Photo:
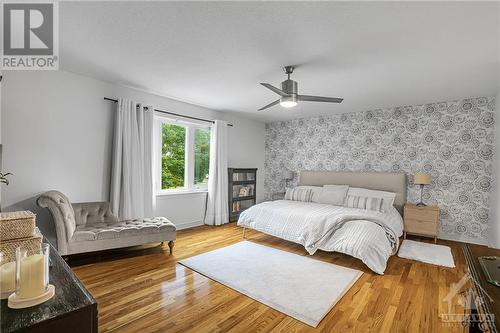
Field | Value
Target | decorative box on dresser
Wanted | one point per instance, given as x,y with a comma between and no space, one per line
241,192
421,220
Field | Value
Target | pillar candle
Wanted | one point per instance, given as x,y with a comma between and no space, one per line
32,276
8,277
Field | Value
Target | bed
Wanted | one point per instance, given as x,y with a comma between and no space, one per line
370,236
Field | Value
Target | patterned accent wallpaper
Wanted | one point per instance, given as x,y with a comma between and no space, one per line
453,141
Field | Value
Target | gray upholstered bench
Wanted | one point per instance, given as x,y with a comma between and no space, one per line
91,226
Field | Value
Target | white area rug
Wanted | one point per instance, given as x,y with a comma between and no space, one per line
428,253
301,287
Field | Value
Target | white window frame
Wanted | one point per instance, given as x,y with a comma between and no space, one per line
189,160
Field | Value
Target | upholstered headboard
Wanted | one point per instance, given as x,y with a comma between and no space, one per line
383,181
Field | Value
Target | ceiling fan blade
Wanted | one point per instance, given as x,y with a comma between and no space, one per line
274,89
307,98
269,105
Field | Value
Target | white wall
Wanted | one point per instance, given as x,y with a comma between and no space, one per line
1,169
245,144
57,134
494,232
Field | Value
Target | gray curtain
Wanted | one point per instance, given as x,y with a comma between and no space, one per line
217,202
132,161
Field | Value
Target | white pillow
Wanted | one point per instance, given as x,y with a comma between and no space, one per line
298,194
316,191
368,203
363,192
333,194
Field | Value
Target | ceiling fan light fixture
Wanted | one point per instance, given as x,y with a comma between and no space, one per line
288,101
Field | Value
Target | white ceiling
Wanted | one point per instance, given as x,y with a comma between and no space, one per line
214,54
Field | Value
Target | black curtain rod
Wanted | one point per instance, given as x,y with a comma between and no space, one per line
171,113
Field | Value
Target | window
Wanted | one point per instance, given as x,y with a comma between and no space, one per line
184,156
173,156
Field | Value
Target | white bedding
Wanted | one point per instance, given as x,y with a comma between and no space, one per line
367,235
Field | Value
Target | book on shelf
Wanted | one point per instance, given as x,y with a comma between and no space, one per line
236,206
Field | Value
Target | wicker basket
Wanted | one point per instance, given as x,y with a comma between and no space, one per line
14,225
31,244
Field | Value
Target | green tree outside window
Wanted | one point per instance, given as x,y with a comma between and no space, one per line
173,154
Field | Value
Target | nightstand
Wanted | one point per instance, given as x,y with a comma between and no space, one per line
421,220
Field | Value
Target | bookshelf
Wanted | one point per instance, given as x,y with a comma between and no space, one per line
241,193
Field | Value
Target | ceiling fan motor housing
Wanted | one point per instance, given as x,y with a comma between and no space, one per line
289,87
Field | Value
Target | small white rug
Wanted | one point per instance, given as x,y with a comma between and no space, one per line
301,287
428,253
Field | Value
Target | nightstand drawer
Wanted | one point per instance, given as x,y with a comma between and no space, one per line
418,226
428,215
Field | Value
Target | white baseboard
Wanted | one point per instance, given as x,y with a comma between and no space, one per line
493,246
464,239
188,224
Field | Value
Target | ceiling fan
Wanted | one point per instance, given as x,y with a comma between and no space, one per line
289,93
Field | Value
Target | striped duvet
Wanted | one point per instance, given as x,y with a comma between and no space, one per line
371,236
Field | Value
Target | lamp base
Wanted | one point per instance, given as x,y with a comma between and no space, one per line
421,204
21,303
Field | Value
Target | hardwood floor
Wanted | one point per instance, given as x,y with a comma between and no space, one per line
149,292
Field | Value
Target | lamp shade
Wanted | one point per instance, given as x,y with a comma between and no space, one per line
288,174
422,178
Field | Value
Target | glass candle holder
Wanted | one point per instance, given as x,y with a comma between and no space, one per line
32,272
7,276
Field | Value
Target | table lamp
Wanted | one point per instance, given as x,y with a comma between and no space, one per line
421,179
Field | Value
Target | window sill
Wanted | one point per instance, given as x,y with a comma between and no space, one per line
180,192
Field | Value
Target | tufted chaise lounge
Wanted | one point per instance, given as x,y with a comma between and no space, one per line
91,226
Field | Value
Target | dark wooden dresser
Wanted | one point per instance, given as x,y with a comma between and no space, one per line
72,309
485,313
